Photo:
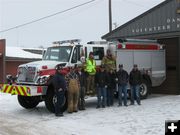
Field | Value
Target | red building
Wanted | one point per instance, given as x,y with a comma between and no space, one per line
12,57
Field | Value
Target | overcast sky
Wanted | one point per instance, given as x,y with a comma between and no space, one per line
89,22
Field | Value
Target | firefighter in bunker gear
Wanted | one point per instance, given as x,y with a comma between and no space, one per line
109,61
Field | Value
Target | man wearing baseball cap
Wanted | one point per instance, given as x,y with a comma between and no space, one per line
59,88
135,80
122,84
91,71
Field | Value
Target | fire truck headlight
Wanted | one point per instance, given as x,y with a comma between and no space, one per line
43,79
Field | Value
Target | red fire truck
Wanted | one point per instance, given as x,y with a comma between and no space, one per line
33,79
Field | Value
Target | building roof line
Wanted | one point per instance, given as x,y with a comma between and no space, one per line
136,18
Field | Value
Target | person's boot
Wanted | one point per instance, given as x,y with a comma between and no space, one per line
97,107
120,104
59,114
80,108
83,108
75,109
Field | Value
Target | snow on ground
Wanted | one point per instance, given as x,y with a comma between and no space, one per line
147,119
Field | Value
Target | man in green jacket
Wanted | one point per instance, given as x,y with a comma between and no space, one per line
91,71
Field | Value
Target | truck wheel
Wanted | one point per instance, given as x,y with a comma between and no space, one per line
65,103
50,101
144,89
28,102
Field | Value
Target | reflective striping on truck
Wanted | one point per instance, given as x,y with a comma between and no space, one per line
15,89
23,90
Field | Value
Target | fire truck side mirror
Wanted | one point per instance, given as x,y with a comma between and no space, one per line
43,53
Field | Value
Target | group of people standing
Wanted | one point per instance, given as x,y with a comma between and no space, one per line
134,79
108,79
72,83
86,78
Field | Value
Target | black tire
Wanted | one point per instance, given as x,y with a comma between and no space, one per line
28,102
65,104
144,89
49,101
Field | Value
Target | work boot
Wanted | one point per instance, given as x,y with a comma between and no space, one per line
59,115
83,108
75,111
80,108
97,107
119,105
103,106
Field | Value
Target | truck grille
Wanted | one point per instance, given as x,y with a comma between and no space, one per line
26,74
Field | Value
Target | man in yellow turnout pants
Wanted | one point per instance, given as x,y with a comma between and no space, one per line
73,87
91,71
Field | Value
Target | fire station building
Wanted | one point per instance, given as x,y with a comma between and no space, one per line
162,23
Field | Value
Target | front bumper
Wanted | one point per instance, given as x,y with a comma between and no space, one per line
23,90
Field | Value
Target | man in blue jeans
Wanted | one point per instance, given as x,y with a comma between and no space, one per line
101,81
135,80
122,84
60,88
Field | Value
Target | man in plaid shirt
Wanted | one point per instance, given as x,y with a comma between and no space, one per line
73,87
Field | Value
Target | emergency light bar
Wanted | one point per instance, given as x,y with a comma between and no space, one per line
137,40
72,41
97,42
134,46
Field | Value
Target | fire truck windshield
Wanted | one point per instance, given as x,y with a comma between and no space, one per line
60,53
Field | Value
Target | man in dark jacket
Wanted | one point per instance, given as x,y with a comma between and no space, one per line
59,87
111,87
101,80
82,80
135,80
122,84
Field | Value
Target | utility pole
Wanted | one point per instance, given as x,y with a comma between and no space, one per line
110,17
115,25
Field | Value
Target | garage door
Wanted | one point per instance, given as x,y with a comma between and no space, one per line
170,86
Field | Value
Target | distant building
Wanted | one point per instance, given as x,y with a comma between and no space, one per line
162,23
12,57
